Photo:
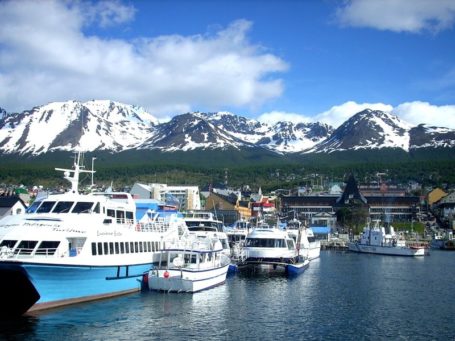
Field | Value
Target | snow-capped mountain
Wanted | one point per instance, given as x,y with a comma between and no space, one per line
93,125
424,136
368,129
191,131
112,126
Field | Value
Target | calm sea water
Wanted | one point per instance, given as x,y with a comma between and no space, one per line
342,296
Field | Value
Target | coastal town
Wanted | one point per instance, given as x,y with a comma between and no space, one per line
328,211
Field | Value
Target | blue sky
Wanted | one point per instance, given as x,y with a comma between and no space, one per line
302,61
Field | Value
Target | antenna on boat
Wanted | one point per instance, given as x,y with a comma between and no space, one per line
72,175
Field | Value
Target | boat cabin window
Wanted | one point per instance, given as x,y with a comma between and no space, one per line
82,207
47,247
63,207
120,215
202,228
33,207
291,245
192,259
265,242
45,207
129,217
8,243
97,208
110,213
224,243
26,247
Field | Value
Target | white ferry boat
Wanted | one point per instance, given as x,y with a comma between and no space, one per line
375,240
73,247
272,249
190,264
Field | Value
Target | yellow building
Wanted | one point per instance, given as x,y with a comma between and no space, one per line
435,195
230,207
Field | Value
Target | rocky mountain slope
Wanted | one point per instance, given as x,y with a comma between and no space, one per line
102,125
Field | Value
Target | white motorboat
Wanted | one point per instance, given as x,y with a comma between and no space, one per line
272,249
238,231
74,247
204,224
305,240
375,240
189,264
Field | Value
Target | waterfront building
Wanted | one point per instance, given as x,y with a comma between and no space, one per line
385,206
445,210
188,197
229,207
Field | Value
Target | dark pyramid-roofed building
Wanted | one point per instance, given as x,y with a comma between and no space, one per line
351,194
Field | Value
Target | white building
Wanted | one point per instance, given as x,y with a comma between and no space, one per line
11,205
187,196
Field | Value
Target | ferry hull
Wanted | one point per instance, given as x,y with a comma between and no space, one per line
186,280
386,250
49,286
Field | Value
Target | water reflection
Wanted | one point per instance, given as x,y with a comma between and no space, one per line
340,296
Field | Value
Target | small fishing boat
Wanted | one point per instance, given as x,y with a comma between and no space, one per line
189,264
375,240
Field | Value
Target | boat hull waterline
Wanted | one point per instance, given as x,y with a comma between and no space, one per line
36,287
386,250
186,280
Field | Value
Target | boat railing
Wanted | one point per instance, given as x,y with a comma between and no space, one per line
23,251
155,226
28,253
46,252
125,221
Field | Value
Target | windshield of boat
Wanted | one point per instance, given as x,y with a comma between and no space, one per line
63,207
82,207
45,207
33,207
204,226
265,242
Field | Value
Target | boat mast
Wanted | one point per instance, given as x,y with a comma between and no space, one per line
74,177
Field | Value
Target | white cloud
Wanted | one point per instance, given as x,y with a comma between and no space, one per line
273,117
423,112
338,114
413,113
398,15
45,56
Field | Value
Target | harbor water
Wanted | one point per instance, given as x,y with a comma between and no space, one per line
342,296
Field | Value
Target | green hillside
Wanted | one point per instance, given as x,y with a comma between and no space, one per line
254,167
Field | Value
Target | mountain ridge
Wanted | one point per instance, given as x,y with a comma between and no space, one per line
104,125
